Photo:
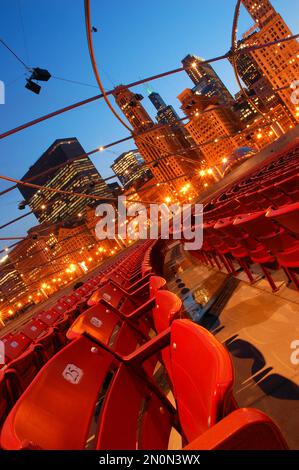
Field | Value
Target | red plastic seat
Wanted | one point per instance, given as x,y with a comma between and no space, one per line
49,317
49,344
33,329
290,186
15,345
287,216
56,410
23,370
6,399
243,429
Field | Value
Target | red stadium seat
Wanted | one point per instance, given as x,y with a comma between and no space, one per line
24,369
6,399
56,410
243,429
15,345
287,216
33,329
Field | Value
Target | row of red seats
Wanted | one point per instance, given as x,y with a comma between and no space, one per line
257,226
43,335
100,391
274,183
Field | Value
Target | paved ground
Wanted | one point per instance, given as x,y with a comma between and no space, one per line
256,326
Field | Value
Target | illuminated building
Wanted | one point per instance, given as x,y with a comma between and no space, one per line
166,113
12,286
79,176
280,62
39,255
129,167
258,86
212,127
155,141
131,107
206,80
245,111
76,240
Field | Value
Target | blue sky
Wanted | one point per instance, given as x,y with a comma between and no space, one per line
134,39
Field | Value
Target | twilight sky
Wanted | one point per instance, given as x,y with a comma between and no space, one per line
135,39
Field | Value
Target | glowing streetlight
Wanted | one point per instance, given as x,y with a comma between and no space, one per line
210,171
224,160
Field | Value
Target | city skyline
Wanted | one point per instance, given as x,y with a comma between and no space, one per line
33,137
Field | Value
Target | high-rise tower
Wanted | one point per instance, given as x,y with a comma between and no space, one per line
163,146
280,62
78,175
130,105
206,80
166,113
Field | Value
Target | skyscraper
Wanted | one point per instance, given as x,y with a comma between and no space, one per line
251,74
206,80
280,62
130,105
79,176
166,113
214,127
129,167
155,141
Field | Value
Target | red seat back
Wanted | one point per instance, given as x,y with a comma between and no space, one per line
15,345
26,367
33,329
132,418
202,376
243,429
56,410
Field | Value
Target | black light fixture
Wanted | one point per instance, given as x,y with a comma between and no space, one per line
22,205
32,86
38,74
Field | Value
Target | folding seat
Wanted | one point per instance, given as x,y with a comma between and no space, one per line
49,317
33,329
274,196
6,399
274,237
255,200
243,429
23,369
280,242
290,186
48,344
123,408
287,216
47,419
15,345
236,239
56,410
107,324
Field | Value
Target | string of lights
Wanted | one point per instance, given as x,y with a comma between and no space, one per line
59,271
28,255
